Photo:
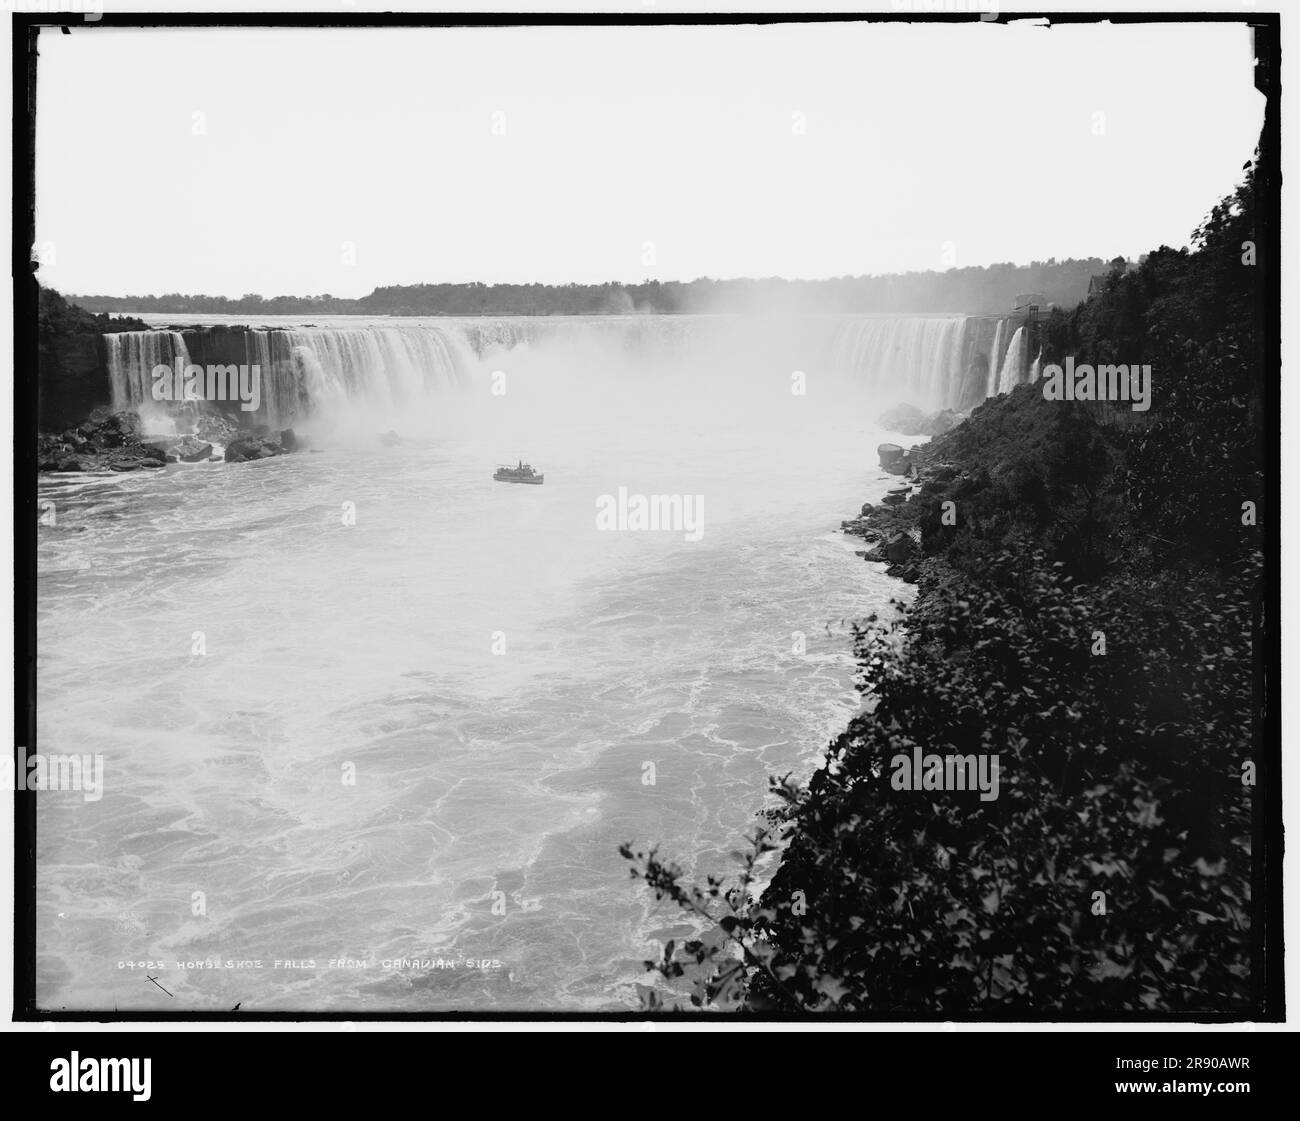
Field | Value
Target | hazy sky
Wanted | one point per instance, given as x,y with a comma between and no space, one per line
307,161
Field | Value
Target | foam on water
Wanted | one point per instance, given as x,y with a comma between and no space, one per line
370,647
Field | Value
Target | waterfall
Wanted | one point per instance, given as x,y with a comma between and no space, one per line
913,358
956,367
991,387
1009,378
383,366
278,399
302,370
932,361
1033,370
500,334
132,356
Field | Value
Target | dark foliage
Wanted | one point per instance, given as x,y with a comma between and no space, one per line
57,318
987,290
1092,619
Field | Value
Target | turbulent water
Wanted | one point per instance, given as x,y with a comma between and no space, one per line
368,705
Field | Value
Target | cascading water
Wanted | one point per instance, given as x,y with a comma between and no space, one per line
956,355
928,360
481,774
383,366
302,370
1009,377
501,334
992,387
1034,369
916,358
279,400
132,357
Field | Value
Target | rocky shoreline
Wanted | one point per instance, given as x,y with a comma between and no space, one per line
108,441
900,527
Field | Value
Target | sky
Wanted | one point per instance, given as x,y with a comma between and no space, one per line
304,161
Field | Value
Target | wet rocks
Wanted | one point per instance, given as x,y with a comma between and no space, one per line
263,444
106,442
901,527
113,430
893,528
896,496
188,449
248,448
900,547
216,428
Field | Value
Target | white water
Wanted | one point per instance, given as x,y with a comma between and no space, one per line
916,359
370,647
304,370
1009,378
314,373
993,362
132,357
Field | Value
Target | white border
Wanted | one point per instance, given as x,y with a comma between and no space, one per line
1290,618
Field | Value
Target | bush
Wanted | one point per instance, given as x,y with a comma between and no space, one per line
1094,620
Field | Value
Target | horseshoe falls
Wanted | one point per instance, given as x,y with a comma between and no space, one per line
403,784
348,370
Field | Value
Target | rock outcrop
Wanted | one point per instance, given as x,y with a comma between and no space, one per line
901,528
190,449
72,370
261,445
105,442
216,428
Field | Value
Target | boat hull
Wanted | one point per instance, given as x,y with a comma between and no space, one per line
535,481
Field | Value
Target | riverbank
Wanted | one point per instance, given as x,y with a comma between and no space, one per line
1048,806
1042,807
1041,643
109,441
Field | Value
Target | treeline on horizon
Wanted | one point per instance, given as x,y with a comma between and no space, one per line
985,290
1094,616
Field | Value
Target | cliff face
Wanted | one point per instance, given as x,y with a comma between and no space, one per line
73,380
72,371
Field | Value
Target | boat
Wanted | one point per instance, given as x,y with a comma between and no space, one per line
523,473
